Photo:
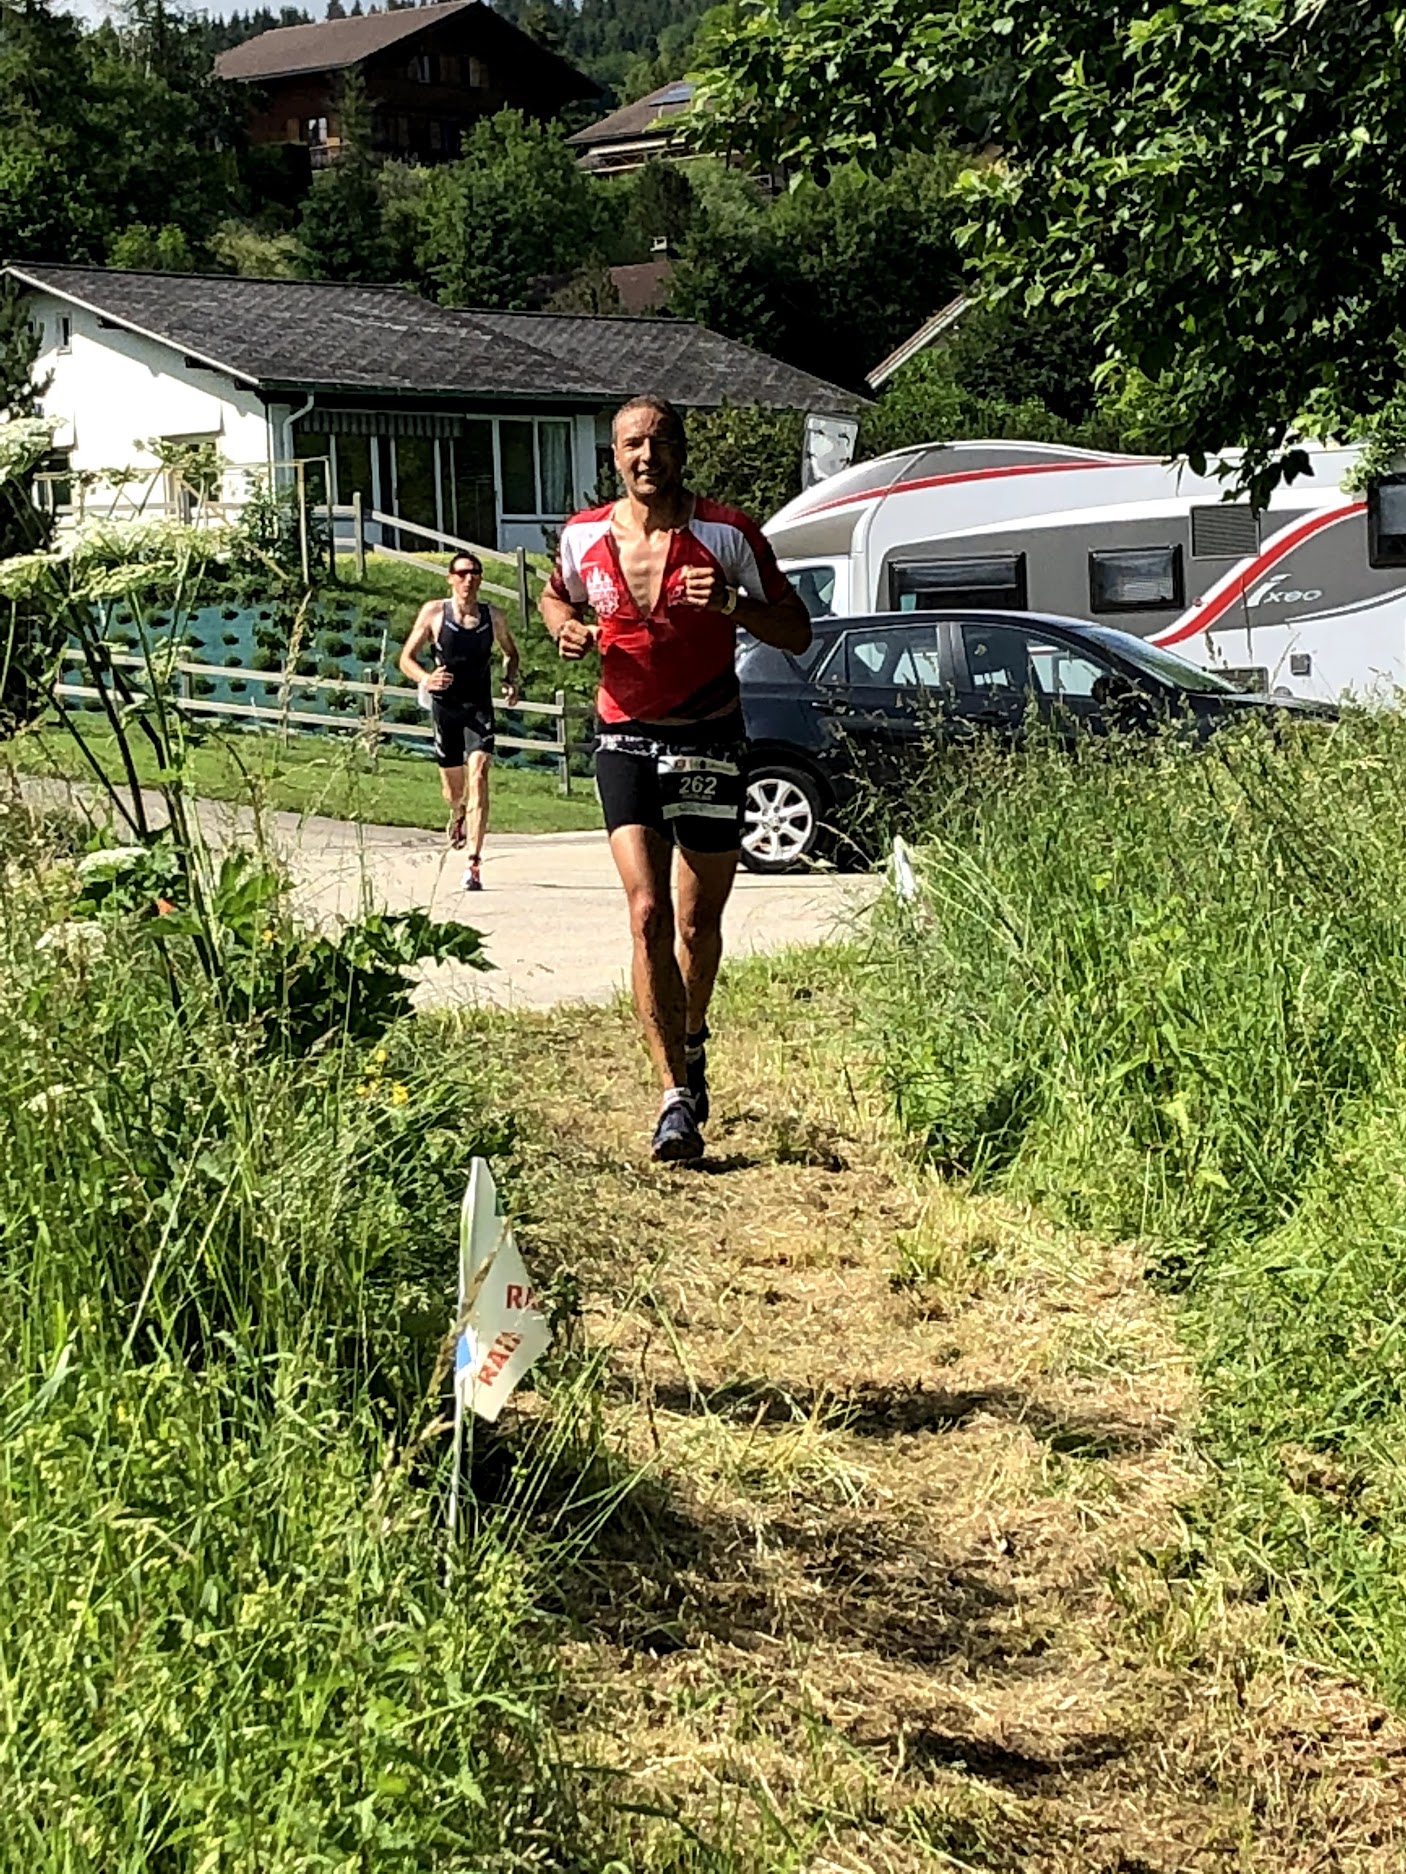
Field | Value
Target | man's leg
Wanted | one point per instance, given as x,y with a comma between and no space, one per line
642,858
452,781
704,887
479,762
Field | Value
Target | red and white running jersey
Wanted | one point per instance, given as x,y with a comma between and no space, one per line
678,660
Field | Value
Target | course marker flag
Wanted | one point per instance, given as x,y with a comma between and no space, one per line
905,883
504,1331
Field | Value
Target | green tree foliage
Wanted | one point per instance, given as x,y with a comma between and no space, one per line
832,278
94,136
1009,374
661,205
620,43
31,631
341,232
746,457
166,249
515,207
19,347
1218,190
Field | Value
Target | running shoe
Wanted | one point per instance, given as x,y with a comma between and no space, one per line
677,1139
458,829
696,1063
473,878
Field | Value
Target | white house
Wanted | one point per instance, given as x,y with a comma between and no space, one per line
487,425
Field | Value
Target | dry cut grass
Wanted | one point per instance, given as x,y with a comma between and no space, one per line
905,1582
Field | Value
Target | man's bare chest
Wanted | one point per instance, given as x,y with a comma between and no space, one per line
644,560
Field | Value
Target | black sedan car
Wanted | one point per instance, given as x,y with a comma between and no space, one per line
840,716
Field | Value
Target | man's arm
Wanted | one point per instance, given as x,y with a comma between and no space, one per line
784,623
503,638
566,627
408,663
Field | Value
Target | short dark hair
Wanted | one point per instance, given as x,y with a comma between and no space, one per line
474,561
661,407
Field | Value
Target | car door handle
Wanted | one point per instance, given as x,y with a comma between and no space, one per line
832,706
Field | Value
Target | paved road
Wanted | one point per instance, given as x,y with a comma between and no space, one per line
552,912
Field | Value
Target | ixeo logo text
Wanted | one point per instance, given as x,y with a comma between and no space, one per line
1274,592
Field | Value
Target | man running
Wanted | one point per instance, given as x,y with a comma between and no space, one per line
461,632
670,576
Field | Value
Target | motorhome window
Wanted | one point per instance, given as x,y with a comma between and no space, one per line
903,659
1386,522
816,585
1135,579
995,583
1226,530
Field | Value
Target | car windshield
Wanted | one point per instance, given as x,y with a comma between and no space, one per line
1167,668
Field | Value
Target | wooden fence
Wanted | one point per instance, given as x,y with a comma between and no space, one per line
372,724
356,515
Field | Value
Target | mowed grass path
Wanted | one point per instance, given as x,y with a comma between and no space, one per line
904,1583
316,774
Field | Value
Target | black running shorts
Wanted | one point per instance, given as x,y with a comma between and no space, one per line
459,733
685,783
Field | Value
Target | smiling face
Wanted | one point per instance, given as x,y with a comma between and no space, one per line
649,452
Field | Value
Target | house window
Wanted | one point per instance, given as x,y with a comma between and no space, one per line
535,455
65,332
421,68
995,582
315,130
436,134
53,490
478,75
1135,579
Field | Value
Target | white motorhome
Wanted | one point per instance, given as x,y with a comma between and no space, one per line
1307,595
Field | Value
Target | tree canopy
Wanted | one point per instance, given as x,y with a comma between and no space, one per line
1216,190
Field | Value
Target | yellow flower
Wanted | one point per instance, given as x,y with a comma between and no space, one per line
268,934
381,1056
400,1093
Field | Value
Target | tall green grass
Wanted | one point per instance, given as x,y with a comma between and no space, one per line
1161,991
233,1637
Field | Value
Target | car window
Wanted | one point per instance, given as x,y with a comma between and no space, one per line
891,658
999,661
1061,671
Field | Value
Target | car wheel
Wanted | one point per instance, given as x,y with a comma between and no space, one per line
780,819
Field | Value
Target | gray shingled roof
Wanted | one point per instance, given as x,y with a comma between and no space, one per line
312,335
632,120
673,357
309,334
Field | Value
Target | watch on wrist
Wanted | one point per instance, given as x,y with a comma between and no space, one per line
729,604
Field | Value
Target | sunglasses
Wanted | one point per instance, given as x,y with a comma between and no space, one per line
466,572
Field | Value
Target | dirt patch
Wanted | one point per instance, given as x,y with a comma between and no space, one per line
903,1582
